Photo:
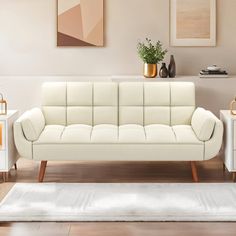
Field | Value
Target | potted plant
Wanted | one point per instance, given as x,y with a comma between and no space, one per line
151,54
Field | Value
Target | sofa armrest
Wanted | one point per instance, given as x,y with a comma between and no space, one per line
33,123
27,129
209,129
213,146
203,124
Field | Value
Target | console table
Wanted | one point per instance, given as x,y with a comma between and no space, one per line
8,154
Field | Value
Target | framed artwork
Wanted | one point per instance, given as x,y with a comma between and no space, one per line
80,23
193,22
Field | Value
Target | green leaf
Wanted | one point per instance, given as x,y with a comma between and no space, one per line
151,53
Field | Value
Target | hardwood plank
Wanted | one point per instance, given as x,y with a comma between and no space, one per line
152,229
35,229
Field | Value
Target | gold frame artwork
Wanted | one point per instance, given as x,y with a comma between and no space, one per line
193,23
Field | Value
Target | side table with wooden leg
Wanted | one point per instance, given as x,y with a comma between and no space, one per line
8,154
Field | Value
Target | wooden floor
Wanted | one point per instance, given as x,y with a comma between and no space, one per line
116,172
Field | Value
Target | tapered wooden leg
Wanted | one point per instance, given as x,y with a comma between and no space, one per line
15,165
234,176
43,166
5,176
194,171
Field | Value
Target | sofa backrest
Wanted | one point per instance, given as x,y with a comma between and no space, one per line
169,103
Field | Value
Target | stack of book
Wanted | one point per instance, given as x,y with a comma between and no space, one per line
216,73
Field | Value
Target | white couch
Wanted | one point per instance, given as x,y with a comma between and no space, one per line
130,121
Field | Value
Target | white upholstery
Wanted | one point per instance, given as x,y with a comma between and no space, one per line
182,103
118,152
126,121
160,134
54,98
185,134
104,139
24,146
76,134
213,145
51,134
157,102
104,134
203,124
131,103
33,123
124,134
79,103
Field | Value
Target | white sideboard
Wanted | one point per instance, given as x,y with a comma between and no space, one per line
8,154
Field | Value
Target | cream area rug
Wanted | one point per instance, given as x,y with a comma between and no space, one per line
119,202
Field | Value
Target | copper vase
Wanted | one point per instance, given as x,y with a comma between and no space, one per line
149,70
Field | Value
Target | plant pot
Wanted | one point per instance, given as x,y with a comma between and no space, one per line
149,70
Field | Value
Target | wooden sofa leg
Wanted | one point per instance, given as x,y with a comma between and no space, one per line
194,171
43,166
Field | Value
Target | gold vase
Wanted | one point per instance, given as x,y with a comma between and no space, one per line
149,70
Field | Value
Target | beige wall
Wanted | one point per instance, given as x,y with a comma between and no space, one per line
28,39
28,47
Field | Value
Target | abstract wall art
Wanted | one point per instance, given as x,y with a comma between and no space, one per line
80,23
193,22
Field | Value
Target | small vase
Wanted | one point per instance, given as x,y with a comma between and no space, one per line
150,70
163,71
172,67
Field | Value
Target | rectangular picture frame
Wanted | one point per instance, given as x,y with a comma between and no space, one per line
189,30
80,23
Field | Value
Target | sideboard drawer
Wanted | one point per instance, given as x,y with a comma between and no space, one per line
2,160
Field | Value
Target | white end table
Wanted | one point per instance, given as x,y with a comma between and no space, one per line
229,143
8,153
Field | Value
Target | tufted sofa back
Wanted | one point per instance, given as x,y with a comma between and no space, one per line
169,103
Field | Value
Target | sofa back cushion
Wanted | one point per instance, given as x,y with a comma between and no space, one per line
156,103
169,103
80,103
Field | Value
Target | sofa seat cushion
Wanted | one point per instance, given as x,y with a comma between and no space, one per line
111,142
51,134
126,134
185,134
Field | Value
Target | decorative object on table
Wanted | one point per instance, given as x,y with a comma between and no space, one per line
193,23
163,73
213,72
3,105
232,110
79,23
151,54
213,68
172,67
